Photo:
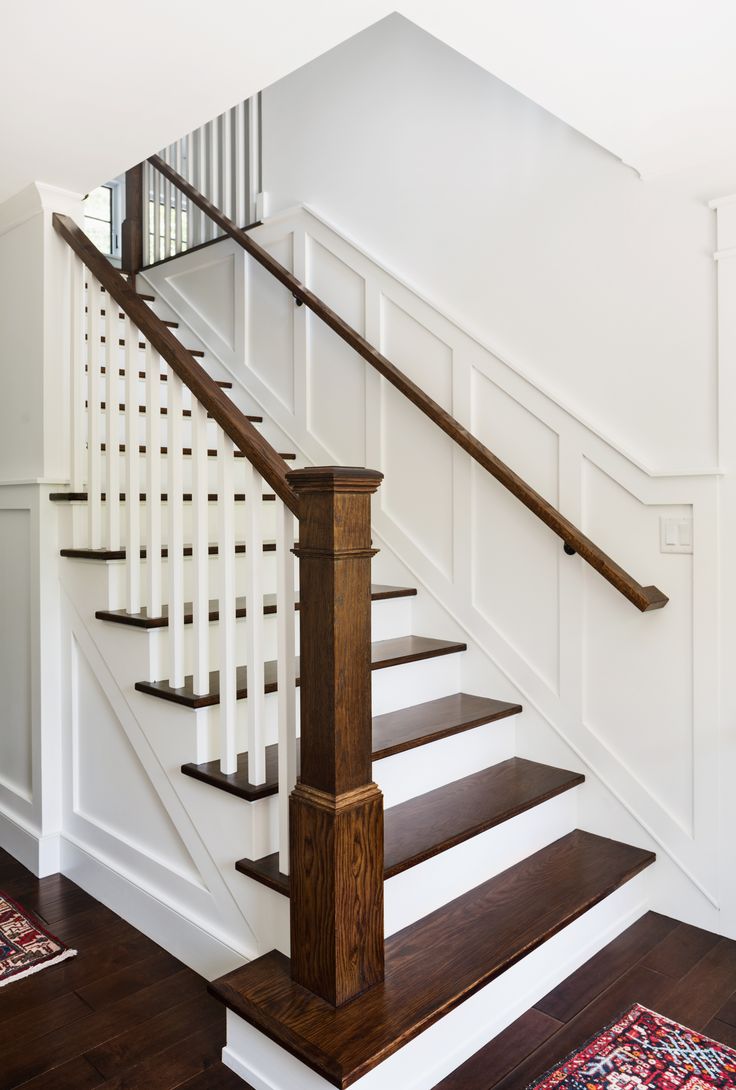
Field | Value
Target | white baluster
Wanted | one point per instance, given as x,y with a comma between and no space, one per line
200,181
190,178
214,172
167,207
177,199
132,463
254,633
254,155
157,255
78,356
241,182
175,505
227,164
112,423
200,549
153,481
147,254
286,656
227,623
94,474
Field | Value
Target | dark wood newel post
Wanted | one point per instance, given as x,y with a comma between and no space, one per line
336,814
132,232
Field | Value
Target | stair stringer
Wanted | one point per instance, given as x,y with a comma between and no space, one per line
590,474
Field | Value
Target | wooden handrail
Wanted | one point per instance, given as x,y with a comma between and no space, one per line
644,598
233,422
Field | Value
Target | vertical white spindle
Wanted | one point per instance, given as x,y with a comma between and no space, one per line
286,658
254,156
157,255
94,474
147,256
190,178
241,181
132,463
167,206
227,164
77,358
177,198
201,180
112,423
175,506
214,172
254,628
153,481
227,623
200,549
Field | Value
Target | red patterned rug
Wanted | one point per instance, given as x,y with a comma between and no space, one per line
25,945
645,1050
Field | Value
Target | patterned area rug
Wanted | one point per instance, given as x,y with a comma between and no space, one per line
645,1050
25,945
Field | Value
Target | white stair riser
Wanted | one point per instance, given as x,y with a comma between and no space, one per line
414,772
434,883
427,1059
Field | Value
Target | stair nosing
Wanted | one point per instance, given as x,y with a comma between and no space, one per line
158,688
250,867
379,592
207,773
302,1023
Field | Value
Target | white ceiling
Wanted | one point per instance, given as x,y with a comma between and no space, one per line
87,89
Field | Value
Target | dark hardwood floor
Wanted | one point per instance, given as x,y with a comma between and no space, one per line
123,1014
126,1015
680,971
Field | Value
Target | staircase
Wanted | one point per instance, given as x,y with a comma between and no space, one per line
475,872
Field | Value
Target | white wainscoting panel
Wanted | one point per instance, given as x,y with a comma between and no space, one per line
633,697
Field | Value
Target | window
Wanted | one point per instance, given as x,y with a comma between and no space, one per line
102,217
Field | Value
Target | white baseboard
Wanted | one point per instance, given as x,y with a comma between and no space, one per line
209,954
40,854
431,1056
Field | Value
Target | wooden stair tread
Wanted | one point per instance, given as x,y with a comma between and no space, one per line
432,823
164,377
435,964
119,554
384,653
393,733
379,592
165,321
81,497
289,456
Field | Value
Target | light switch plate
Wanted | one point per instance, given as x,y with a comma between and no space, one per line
675,535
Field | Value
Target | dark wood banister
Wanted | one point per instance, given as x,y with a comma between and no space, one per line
246,438
644,598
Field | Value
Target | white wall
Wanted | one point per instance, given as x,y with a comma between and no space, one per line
597,286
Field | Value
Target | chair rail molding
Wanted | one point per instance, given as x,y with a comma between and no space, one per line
614,688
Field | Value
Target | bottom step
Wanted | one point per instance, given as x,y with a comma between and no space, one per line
435,964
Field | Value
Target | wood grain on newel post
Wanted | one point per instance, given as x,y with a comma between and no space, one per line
336,815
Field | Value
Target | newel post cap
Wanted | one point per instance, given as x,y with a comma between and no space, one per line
334,479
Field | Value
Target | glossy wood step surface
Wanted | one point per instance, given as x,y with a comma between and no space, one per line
435,964
120,554
438,820
186,452
196,352
384,653
401,730
81,497
380,592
